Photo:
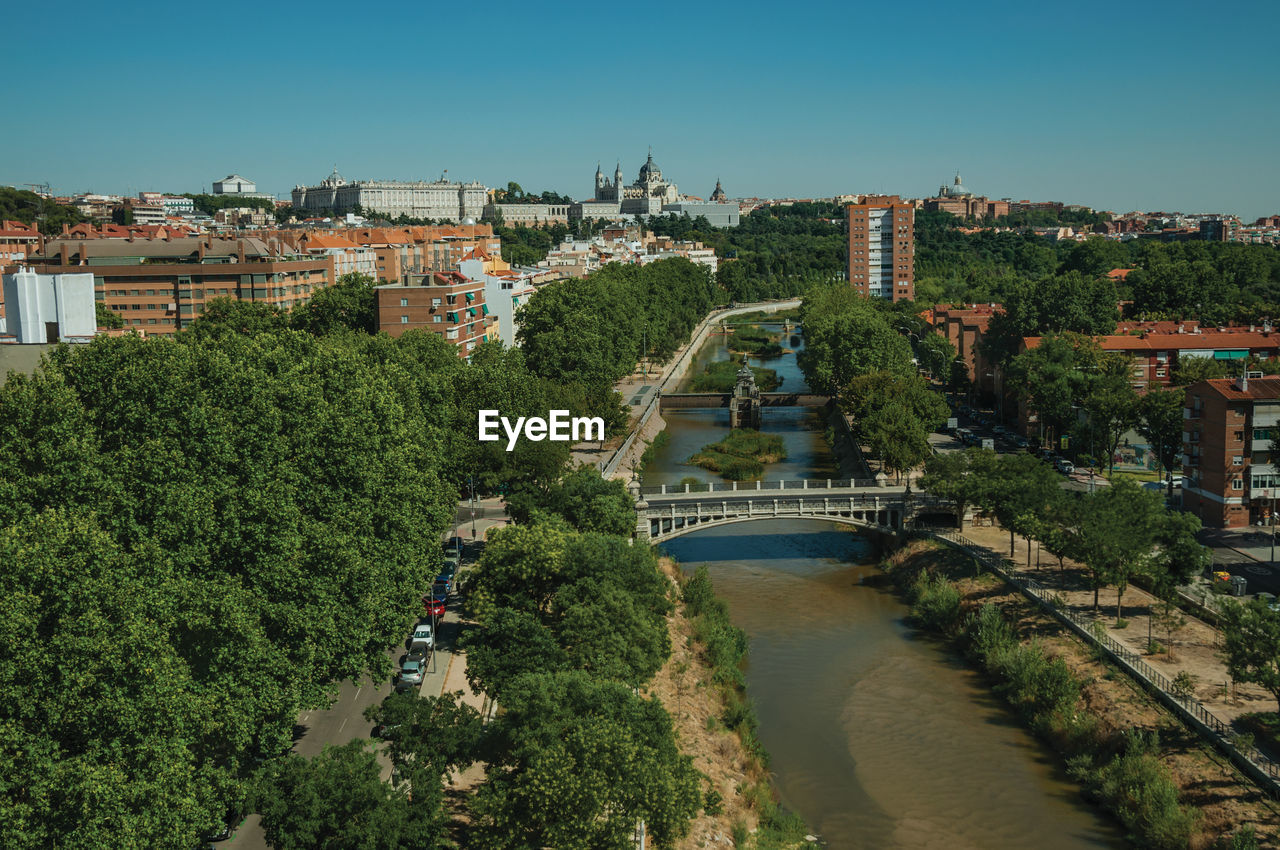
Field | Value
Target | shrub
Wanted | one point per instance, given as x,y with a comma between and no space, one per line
988,632
1035,684
698,594
935,603
713,802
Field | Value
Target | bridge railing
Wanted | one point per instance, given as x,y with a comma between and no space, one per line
759,486
1258,765
823,506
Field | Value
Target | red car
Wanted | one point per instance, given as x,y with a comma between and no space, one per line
434,606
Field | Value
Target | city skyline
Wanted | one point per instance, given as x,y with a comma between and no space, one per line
1162,113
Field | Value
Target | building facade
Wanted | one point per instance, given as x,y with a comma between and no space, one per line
1229,477
528,214
961,201
162,285
444,303
882,247
440,200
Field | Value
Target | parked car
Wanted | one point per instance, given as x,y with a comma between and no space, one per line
1022,442
423,635
453,545
434,606
443,585
411,673
1064,466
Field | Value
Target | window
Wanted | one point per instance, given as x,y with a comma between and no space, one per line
151,321
435,302
1262,433
404,302
1237,483
1237,436
437,318
151,306
1237,460
151,292
1160,373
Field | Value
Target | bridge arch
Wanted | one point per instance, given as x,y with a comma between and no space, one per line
662,529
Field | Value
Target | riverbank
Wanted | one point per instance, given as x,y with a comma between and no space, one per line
1094,733
738,793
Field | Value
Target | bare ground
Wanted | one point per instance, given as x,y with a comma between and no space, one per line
685,687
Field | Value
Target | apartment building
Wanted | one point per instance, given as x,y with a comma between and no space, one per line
882,247
1155,354
444,303
162,285
1229,475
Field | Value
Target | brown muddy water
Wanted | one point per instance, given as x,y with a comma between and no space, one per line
879,737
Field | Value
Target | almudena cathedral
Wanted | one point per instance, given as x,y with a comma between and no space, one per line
439,199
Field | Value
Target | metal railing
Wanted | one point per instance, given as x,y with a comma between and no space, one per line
1259,766
760,486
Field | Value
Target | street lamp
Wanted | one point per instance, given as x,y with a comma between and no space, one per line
471,483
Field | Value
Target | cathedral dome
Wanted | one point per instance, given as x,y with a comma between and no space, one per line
650,167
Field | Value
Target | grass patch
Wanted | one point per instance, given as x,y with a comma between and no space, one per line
755,341
741,455
722,375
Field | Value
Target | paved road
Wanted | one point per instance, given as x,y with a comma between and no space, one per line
344,720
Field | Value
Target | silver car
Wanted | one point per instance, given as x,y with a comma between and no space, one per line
411,673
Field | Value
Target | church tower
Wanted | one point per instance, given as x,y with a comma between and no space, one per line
718,195
599,181
617,182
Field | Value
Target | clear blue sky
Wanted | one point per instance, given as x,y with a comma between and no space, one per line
1160,106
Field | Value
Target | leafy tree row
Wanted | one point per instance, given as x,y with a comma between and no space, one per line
592,331
201,537
1116,533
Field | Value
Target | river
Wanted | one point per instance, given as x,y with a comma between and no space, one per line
879,737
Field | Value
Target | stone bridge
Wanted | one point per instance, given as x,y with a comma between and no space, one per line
667,512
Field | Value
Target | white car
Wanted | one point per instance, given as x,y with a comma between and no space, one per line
422,637
1066,467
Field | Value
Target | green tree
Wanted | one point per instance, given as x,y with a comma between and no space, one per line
846,336
337,800
1160,421
347,305
1251,636
1111,404
963,477
510,644
580,761
1066,303
106,317
1022,493
231,315
429,736
585,500
1054,378
896,436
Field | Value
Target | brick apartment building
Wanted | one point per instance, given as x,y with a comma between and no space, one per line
964,328
1227,468
445,303
882,247
162,285
410,249
1155,354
